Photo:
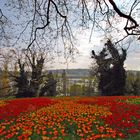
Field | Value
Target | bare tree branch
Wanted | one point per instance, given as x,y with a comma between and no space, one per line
128,17
49,20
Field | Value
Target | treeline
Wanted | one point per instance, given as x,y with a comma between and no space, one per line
22,75
132,83
19,84
57,84
26,79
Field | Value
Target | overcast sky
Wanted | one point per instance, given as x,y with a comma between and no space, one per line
97,42
83,60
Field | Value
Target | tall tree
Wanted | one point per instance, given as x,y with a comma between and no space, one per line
64,81
36,63
5,59
4,80
50,86
30,77
22,82
110,69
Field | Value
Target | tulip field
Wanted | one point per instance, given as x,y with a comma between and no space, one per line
70,118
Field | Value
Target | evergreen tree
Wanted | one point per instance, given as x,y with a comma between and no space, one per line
111,72
22,82
49,87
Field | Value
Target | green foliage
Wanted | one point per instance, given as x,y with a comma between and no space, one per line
49,87
7,98
110,70
133,101
22,83
134,138
4,80
133,83
89,85
75,90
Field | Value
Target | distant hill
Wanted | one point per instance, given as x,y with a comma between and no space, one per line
79,73
133,71
73,73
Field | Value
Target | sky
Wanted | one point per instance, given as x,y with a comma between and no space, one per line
97,42
84,46
84,61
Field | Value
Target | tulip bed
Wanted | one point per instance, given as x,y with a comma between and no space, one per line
70,118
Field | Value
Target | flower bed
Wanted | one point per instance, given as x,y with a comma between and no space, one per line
73,118
13,108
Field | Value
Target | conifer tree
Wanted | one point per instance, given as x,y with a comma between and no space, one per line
110,71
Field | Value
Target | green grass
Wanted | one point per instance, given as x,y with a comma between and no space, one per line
8,98
134,138
133,101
